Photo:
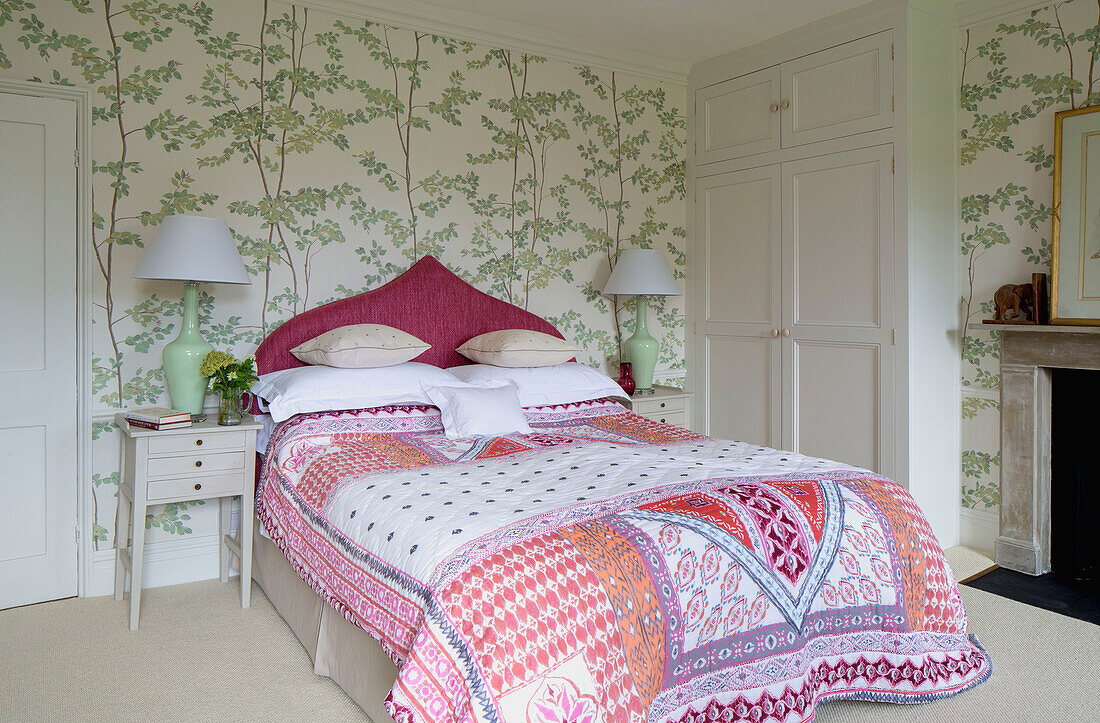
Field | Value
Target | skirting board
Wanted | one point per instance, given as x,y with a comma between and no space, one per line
978,529
170,562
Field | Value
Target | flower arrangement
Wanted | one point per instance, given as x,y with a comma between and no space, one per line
226,374
231,379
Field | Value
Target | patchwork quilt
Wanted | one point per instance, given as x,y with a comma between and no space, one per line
610,568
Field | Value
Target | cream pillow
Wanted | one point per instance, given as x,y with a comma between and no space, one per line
361,346
518,348
476,411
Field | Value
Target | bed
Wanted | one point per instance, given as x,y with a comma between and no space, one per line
604,567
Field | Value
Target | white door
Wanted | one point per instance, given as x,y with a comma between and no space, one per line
738,117
737,276
837,333
38,358
839,92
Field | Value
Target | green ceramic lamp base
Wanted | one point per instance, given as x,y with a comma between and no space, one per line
186,387
641,351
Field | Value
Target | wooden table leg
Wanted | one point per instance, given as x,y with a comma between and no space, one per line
245,537
224,555
122,540
137,553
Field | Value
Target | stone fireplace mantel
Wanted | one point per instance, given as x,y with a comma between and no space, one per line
1028,354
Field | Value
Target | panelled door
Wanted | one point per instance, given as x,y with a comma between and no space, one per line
38,357
839,92
737,272
738,117
837,330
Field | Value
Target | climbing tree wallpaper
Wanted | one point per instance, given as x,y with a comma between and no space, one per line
1016,72
340,151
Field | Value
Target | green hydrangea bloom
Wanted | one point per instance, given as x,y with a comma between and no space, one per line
214,361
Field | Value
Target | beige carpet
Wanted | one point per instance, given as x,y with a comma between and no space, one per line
198,656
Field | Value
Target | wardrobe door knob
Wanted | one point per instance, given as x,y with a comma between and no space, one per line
775,107
775,332
786,332
785,104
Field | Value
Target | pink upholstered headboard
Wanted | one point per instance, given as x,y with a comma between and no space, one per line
428,301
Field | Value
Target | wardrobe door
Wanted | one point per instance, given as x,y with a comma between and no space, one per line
738,117
737,290
839,92
837,330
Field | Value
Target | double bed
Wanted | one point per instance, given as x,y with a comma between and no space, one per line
604,567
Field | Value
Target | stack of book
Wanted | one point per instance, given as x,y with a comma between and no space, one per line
158,418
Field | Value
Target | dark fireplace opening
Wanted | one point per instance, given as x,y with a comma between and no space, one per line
1075,476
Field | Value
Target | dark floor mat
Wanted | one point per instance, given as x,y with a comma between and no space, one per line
1045,591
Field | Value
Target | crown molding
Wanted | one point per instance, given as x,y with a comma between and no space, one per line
974,12
497,33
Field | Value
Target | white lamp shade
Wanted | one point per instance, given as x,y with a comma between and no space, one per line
192,248
642,272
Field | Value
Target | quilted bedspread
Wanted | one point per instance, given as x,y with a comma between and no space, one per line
610,568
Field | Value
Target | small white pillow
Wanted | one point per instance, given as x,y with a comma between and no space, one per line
478,411
361,346
518,348
320,388
561,384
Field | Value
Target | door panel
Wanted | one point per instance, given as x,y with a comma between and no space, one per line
837,412
735,118
38,367
839,92
838,230
740,230
742,399
737,272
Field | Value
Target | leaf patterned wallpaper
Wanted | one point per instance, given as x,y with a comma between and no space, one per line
339,151
1016,72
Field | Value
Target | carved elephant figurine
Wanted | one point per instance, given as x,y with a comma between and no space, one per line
1017,299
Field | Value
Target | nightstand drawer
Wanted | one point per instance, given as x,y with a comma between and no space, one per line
176,443
649,407
209,486
189,463
677,418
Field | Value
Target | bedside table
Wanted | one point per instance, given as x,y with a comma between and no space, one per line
667,404
204,461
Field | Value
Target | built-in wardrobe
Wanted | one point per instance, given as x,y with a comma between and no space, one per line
823,312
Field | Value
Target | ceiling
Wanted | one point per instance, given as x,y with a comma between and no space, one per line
656,37
682,31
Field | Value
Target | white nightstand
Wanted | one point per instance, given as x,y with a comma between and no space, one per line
667,404
202,462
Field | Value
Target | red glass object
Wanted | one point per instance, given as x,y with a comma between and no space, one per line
626,377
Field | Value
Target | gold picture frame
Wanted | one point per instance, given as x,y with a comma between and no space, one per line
1076,163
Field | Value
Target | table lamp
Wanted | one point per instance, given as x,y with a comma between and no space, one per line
642,272
195,250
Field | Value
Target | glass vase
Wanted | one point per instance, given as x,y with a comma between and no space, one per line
229,407
626,378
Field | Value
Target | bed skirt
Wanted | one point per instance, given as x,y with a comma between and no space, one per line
339,650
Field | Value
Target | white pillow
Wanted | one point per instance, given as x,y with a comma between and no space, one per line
361,346
518,348
320,388
478,411
560,384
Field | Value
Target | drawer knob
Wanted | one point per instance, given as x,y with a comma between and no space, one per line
662,405
662,420
198,442
198,486
198,463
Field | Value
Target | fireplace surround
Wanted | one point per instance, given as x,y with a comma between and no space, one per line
1028,354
